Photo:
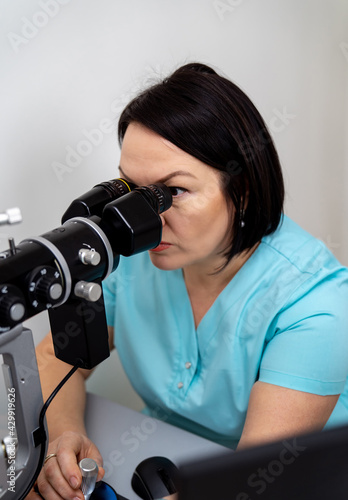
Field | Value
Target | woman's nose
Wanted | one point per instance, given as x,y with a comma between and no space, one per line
163,220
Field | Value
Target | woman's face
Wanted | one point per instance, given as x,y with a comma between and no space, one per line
197,227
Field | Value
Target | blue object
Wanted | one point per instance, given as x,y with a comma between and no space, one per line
104,491
283,319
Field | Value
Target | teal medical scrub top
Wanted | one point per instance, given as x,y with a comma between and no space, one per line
283,319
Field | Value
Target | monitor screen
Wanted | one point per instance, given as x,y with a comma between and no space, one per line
308,467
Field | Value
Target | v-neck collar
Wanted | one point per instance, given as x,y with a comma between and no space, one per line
209,324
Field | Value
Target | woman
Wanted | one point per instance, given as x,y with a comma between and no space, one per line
235,326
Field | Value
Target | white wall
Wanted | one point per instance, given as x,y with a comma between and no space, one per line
66,65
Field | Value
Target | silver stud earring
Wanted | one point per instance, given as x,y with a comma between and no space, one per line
241,218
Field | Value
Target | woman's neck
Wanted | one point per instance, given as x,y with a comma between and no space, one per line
206,276
204,285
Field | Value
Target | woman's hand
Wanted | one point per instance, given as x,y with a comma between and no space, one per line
60,477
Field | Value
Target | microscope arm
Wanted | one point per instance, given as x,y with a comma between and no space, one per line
24,444
61,271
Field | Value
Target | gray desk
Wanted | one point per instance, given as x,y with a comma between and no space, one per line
126,437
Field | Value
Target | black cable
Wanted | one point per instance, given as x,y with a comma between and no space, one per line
54,393
41,431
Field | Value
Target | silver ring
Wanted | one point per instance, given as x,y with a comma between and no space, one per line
51,455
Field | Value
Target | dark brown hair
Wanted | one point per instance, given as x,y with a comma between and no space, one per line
212,119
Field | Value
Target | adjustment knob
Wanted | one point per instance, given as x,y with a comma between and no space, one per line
89,257
45,287
12,306
88,291
89,472
48,290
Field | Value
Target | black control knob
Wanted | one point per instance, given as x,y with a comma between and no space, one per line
45,287
12,306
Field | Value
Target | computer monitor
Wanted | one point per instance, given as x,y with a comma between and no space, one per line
309,467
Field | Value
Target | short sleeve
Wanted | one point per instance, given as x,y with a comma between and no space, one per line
309,351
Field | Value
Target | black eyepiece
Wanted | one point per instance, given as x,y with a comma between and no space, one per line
158,196
116,187
94,201
132,223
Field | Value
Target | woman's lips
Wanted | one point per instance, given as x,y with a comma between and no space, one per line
162,246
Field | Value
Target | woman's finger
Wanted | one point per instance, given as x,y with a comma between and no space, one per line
61,476
70,450
53,485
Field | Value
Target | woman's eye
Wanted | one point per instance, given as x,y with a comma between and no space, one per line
176,191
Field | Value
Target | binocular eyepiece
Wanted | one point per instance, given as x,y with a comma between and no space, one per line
112,219
94,201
